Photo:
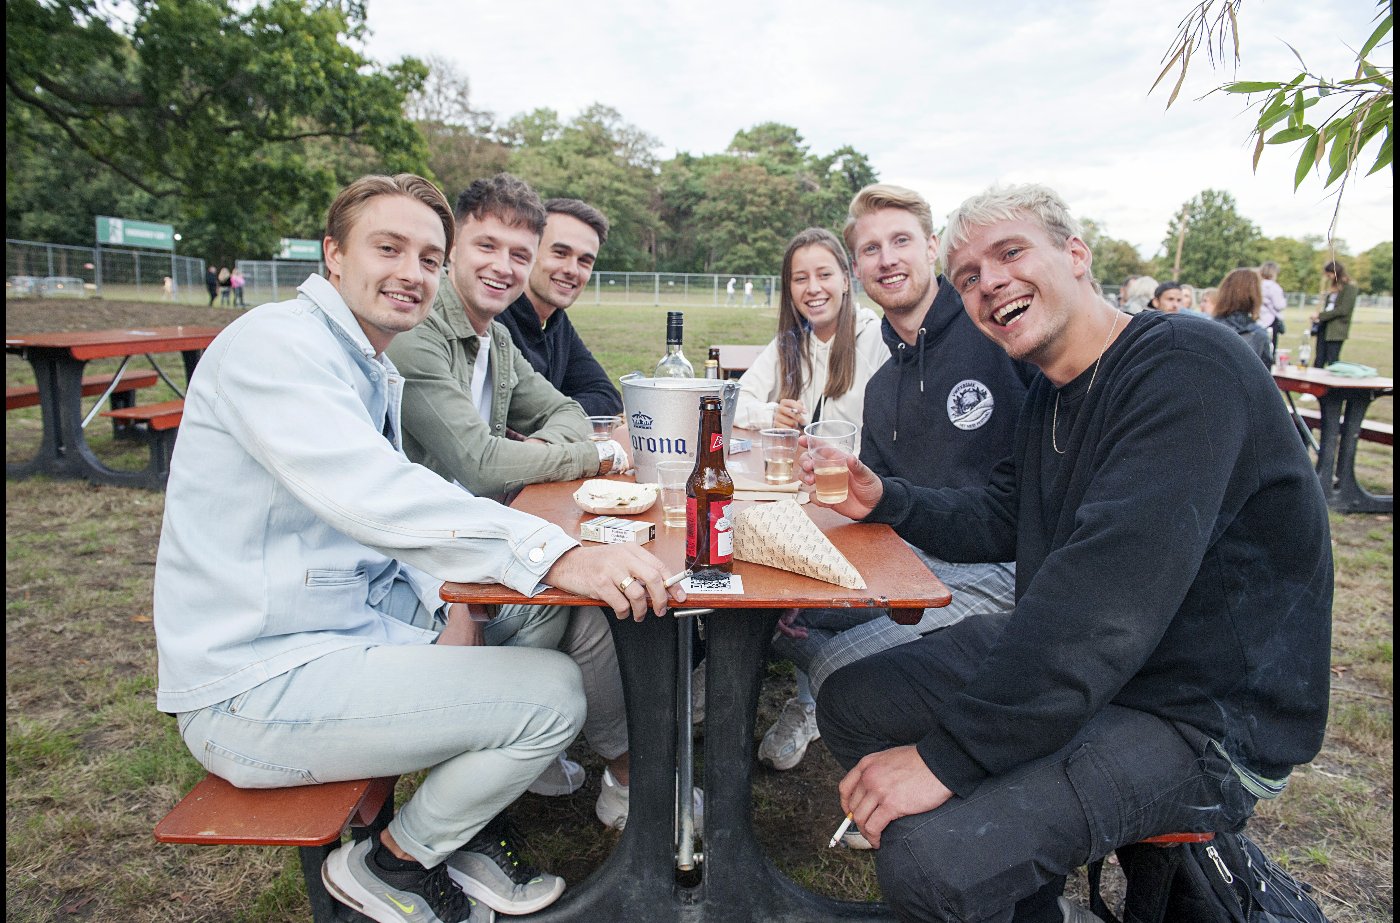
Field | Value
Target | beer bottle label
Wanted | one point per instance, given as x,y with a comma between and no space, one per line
721,532
716,441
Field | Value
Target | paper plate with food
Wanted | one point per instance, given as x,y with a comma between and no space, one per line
617,498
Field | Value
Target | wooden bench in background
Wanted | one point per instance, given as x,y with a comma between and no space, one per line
93,385
1371,430
162,422
312,818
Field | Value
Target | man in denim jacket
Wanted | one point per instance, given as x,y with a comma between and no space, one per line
297,616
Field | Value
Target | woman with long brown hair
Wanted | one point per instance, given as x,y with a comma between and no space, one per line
826,349
1333,323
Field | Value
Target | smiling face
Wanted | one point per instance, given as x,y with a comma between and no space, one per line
388,266
894,260
490,263
568,251
817,285
1027,294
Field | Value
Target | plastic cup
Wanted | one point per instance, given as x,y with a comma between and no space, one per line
672,475
829,444
603,427
779,455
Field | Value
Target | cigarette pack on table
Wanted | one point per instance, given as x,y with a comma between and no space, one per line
737,445
613,529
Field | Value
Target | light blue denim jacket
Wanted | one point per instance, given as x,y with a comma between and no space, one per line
293,520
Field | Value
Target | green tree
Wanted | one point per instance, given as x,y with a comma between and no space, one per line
460,139
600,158
1348,116
1381,277
1218,238
745,218
1298,261
239,123
1114,260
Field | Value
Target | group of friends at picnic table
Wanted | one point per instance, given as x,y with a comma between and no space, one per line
1135,540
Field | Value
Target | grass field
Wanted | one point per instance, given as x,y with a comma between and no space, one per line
91,766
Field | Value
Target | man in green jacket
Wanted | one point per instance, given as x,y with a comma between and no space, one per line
476,412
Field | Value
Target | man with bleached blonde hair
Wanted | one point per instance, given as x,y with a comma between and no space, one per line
1156,674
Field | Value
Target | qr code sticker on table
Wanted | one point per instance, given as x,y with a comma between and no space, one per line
714,582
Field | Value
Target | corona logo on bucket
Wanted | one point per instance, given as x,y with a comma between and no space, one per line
663,415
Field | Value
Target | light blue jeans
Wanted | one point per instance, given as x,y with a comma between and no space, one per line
484,722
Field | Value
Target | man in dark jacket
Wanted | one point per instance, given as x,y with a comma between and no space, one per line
940,413
538,323
1167,660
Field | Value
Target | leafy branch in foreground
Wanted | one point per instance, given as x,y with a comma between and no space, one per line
1336,120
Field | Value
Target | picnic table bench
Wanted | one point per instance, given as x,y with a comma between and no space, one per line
1371,430
123,395
312,818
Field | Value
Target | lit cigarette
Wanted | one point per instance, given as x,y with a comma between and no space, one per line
840,831
672,581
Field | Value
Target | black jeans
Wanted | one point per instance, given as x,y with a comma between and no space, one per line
1002,852
1328,352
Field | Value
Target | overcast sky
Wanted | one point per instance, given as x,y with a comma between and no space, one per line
945,98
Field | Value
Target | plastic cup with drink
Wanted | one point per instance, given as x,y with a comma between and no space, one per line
603,426
1282,357
829,444
672,475
779,455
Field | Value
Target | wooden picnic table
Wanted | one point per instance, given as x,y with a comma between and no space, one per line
638,881
1342,402
58,360
735,359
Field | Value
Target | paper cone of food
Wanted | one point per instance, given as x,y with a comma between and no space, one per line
781,535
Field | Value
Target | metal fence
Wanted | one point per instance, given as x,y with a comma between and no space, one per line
49,270
682,289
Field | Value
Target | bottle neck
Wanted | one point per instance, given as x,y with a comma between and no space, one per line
710,452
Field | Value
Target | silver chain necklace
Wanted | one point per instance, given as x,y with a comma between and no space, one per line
1055,420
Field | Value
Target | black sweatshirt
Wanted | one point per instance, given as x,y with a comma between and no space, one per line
1176,559
942,412
557,352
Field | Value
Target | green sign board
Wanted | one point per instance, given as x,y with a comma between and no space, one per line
295,249
123,232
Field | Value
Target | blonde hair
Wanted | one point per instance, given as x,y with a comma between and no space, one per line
346,208
884,195
1039,203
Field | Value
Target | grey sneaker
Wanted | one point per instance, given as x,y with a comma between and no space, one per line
491,869
1076,914
416,895
786,741
614,803
561,777
854,839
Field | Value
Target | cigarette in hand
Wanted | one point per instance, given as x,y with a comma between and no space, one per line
672,581
840,831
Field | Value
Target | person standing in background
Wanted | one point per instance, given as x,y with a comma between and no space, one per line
1236,305
1332,325
225,286
1271,311
236,283
211,282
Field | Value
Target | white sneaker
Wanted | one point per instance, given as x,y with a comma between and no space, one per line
1073,913
786,741
561,777
854,839
614,803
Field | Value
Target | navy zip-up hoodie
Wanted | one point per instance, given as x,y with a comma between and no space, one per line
942,412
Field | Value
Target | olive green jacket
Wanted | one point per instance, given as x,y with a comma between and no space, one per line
1334,322
442,428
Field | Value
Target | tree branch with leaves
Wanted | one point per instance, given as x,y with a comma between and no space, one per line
1336,121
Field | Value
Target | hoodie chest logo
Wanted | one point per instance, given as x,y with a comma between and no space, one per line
969,404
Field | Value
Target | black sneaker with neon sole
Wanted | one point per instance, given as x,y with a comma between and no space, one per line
490,868
417,895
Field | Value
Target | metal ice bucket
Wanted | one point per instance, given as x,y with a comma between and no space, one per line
663,417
